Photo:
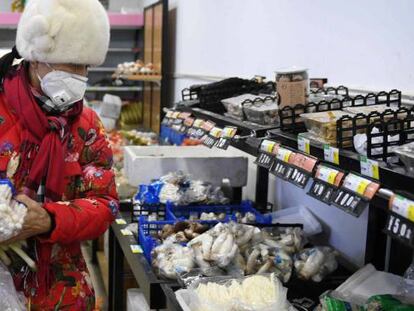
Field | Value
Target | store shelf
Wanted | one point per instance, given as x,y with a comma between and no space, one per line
114,89
124,50
102,69
117,20
245,127
142,271
144,78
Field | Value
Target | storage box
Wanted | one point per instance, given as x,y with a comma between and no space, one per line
145,163
323,124
264,113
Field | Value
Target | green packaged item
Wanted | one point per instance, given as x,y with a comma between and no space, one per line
333,304
382,303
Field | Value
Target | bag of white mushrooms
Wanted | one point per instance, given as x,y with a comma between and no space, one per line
258,292
12,215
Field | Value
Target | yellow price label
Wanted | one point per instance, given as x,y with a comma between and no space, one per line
411,212
362,186
375,170
331,177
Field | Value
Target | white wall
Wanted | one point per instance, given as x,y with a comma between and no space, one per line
364,44
361,44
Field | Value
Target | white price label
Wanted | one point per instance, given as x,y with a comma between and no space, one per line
268,146
331,154
284,154
303,144
402,206
136,249
369,167
120,221
126,232
229,132
327,174
198,123
216,132
356,183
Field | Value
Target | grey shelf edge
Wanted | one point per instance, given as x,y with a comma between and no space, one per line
102,69
114,89
141,269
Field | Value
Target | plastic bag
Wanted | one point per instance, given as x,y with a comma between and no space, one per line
259,292
315,263
10,300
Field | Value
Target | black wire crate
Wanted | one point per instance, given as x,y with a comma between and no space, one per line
210,95
290,120
394,128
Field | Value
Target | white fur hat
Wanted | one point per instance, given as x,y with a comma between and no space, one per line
63,31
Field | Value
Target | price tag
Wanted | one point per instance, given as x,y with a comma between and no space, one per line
268,146
175,115
402,206
264,160
216,132
349,202
356,183
369,167
208,126
120,221
126,232
327,174
229,132
209,141
184,115
281,169
331,154
322,191
223,143
189,122
198,123
284,154
299,177
136,249
401,229
303,144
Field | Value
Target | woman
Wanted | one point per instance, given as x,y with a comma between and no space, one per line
54,149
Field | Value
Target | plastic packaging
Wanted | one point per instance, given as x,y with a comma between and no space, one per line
323,124
10,298
298,215
259,293
406,155
367,282
315,263
12,213
407,285
263,111
233,105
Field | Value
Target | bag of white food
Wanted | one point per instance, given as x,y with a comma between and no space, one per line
12,213
10,298
262,292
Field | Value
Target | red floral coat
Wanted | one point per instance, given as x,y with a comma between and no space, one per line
89,205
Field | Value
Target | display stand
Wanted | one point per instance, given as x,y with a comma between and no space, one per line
384,237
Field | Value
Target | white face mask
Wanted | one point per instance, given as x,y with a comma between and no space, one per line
63,89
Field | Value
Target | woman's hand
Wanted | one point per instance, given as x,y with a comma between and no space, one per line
36,222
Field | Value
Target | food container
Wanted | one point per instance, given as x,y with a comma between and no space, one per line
263,112
406,155
233,105
323,124
292,85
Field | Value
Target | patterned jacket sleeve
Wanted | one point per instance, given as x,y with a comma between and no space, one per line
96,203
